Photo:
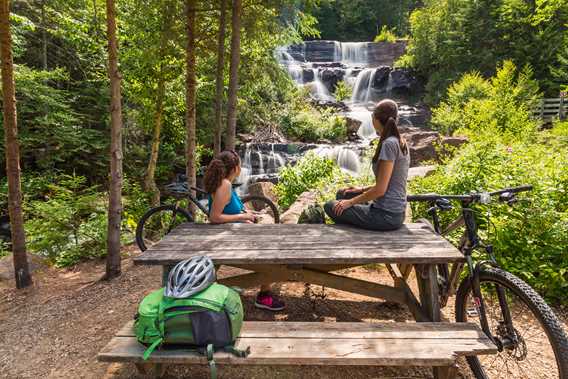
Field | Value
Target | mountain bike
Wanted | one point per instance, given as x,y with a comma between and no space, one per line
159,221
530,339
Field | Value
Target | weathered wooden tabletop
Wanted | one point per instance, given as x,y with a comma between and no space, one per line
251,244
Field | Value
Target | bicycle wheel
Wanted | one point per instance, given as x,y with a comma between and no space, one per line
158,222
542,347
263,208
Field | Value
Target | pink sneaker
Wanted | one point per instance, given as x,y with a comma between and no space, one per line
267,300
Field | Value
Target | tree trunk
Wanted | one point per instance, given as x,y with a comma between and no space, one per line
234,75
219,78
21,267
115,193
149,180
190,96
43,36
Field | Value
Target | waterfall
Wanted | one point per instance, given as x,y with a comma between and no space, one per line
363,88
260,162
366,130
321,92
275,160
337,51
347,159
354,52
296,72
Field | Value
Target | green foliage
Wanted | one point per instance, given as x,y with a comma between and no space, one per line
451,37
343,91
69,224
529,238
312,125
311,171
475,105
386,35
505,149
360,20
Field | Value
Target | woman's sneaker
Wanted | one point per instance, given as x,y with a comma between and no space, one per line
267,300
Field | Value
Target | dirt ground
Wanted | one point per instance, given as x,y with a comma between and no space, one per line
56,328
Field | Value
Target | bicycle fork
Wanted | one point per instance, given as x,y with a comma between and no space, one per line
506,335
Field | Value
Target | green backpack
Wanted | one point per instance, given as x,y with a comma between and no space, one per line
207,321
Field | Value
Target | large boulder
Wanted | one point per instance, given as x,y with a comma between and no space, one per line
331,76
293,213
381,78
427,145
353,126
265,189
402,82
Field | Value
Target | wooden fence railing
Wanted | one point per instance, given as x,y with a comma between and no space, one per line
552,108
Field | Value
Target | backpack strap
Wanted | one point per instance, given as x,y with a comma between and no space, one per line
152,347
212,367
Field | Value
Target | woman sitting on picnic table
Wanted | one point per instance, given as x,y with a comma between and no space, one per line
390,166
225,206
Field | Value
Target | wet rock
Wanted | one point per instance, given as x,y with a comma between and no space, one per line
340,106
330,78
381,78
402,82
353,126
307,75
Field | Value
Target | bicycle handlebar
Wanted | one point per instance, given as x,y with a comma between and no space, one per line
467,198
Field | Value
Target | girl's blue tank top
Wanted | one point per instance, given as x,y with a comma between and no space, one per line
235,205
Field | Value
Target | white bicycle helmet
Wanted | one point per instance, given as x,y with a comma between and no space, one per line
189,277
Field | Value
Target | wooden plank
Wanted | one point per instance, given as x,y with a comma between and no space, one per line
313,351
449,372
353,330
294,245
331,255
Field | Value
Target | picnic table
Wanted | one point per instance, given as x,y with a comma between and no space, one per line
313,253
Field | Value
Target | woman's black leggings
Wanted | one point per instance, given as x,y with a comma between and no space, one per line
364,215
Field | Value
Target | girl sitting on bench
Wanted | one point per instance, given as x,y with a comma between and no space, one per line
388,194
225,206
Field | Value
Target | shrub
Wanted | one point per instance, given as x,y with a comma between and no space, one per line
502,104
386,35
69,224
311,171
343,91
530,238
313,125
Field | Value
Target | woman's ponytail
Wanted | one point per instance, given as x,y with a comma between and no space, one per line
214,175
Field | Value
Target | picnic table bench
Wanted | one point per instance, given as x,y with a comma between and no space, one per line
311,253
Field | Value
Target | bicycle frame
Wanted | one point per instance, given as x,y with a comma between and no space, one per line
471,243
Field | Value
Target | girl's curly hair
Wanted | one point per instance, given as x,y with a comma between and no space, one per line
220,168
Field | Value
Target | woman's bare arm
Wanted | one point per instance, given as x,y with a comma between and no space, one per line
221,198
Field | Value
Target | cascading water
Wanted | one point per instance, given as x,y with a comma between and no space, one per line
366,131
354,52
319,90
363,88
347,159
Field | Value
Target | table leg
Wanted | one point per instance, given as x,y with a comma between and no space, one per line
426,276
165,272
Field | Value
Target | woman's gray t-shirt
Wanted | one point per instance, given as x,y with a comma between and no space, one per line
394,199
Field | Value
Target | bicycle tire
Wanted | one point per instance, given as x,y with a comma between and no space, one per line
535,303
162,208
267,201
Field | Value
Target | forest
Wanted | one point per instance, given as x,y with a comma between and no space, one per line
481,66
